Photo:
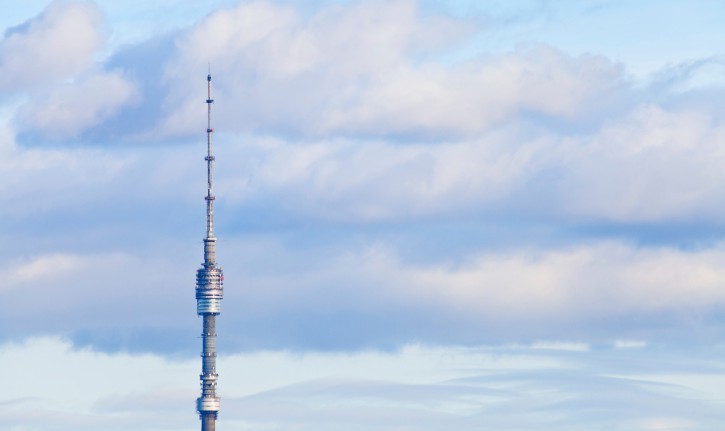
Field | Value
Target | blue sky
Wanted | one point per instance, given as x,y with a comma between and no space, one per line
432,215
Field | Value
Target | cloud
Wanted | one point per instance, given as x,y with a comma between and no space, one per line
556,400
54,180
73,108
650,164
377,186
468,99
56,399
73,294
51,47
371,69
590,293
343,299
50,59
43,267
375,181
426,388
583,283
654,164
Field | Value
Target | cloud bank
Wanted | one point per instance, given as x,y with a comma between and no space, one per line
595,293
424,388
490,197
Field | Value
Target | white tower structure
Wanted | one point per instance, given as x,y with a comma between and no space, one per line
209,292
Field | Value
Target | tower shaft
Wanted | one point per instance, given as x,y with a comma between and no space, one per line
209,293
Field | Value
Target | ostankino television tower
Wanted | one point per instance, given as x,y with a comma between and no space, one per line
209,285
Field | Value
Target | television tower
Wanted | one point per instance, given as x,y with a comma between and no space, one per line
209,285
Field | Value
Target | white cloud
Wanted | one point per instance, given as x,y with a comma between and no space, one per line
370,69
465,100
68,385
580,284
72,108
558,345
630,344
646,164
51,47
333,75
51,57
653,164
668,424
373,181
517,295
572,293
40,180
430,389
76,294
42,267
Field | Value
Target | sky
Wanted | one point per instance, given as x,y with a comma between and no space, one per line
432,215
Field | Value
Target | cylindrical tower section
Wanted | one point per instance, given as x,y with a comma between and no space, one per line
208,402
208,422
209,251
208,350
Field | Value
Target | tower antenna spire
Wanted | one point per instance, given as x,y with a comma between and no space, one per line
209,293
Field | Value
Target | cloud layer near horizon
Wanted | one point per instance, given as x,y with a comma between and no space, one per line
511,387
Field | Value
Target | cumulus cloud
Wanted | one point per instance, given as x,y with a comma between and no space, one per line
604,292
51,47
464,100
587,293
385,209
654,164
43,267
585,283
651,164
51,59
42,181
370,69
72,108
73,293
374,181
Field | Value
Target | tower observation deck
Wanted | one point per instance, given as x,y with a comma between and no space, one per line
209,292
